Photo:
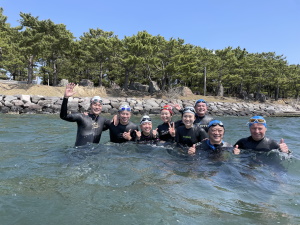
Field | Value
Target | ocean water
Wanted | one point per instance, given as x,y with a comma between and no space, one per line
45,180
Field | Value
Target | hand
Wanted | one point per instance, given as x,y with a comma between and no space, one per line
127,136
138,134
192,150
69,90
283,146
236,150
115,119
177,106
172,129
154,132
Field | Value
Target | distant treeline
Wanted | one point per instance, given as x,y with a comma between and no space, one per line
48,50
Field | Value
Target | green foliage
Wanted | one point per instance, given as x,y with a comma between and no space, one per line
43,48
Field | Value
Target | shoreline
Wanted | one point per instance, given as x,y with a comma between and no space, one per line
38,104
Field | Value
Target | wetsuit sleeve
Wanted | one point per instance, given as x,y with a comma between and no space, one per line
240,143
64,109
106,124
133,133
64,113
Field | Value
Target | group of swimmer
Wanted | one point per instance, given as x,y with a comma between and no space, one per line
195,132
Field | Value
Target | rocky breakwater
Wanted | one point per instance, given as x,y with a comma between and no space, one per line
20,104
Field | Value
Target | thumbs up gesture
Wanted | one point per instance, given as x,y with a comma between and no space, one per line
236,150
192,150
283,146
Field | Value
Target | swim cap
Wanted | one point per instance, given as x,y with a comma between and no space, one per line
145,119
200,101
257,119
188,109
96,99
215,123
169,108
124,107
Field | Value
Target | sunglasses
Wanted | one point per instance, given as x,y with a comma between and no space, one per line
257,121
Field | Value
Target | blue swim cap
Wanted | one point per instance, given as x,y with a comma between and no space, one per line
215,123
257,119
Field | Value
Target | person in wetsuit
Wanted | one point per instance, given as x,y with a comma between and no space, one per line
166,130
90,126
125,130
202,119
257,141
189,134
146,135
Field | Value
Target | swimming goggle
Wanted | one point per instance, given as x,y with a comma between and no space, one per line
188,110
145,119
200,101
166,107
257,121
215,123
96,101
124,107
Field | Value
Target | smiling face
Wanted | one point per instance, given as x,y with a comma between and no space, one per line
96,108
258,131
124,117
216,134
146,128
201,109
165,116
188,119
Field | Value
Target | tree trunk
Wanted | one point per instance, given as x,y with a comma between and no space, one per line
100,75
276,93
125,85
54,74
30,69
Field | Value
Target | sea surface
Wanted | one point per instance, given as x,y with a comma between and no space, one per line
45,180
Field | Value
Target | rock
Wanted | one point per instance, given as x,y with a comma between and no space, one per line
9,98
86,83
25,98
63,83
153,87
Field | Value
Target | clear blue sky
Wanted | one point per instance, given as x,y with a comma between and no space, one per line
257,25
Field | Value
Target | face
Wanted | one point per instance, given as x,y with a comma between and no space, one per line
146,127
201,108
96,108
124,117
216,134
165,116
258,131
188,119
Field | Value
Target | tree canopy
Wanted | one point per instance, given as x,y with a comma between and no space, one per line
50,51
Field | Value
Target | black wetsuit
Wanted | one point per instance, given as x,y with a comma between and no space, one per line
207,146
163,131
263,145
89,127
202,121
116,132
147,139
188,137
216,152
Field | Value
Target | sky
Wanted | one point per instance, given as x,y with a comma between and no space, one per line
256,25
